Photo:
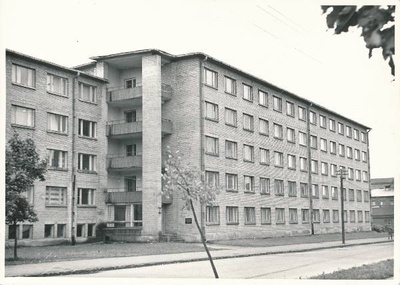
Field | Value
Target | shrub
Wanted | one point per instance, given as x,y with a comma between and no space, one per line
378,228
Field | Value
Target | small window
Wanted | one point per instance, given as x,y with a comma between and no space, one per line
332,125
248,122
323,145
278,131
250,215
322,121
280,215
290,109
212,178
365,176
303,164
247,92
232,215
212,215
359,216
61,232
326,217
230,117
316,216
86,196
212,111
335,193
359,196
340,128
302,114
332,147
366,196
277,104
356,134
248,153
313,142
264,156
278,159
230,85
363,137
357,154
57,123
349,152
130,149
341,149
302,138
304,189
292,189
351,173
57,84
87,162
90,231
263,98
231,182
351,194
56,196
210,78
80,230
29,194
266,216
305,216
23,75
313,118
290,133
48,231
348,132
315,191
58,159
293,216
264,185
12,232
291,161
358,175
367,216
324,168
335,216
314,166
364,156
22,116
325,192
130,83
212,146
279,189
87,92
27,231
230,149
87,128
264,127
352,216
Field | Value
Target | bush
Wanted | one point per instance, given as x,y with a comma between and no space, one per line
100,230
378,228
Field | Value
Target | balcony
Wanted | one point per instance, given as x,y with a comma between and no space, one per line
120,96
123,162
122,129
121,195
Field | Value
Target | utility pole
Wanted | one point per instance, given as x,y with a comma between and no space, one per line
342,172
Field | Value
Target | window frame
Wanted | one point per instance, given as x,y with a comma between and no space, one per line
92,93
14,76
15,121
92,128
265,95
215,145
214,78
215,111
251,121
250,97
234,149
278,101
232,82
292,108
234,112
50,84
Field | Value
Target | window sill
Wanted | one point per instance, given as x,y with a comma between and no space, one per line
230,125
262,105
303,170
264,163
303,196
316,222
212,154
56,206
292,142
250,224
232,94
232,191
24,86
303,120
245,160
212,87
279,166
89,102
336,222
315,197
249,192
291,168
266,223
57,133
278,194
292,195
280,223
232,223
264,134
290,115
212,120
248,100
87,206
87,171
248,130
58,169
23,127
278,138
279,111
57,94
265,194
233,158
212,224
304,223
87,138
327,222
327,198
293,223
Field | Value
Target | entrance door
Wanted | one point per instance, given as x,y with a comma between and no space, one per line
119,215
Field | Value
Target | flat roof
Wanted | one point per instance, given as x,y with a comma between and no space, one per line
67,69
235,69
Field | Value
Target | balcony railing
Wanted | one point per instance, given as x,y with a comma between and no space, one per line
123,128
115,162
120,93
124,197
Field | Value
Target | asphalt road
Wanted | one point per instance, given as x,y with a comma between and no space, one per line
278,266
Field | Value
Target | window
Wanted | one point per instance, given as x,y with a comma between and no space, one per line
278,159
305,216
29,194
344,194
290,133
340,128
12,232
230,85
247,92
314,166
23,75
212,145
87,128
212,215
292,188
357,154
323,145
61,230
87,162
363,137
56,196
130,83
263,98
80,230
358,175
352,216
341,149
279,190
313,141
230,149
232,215
22,116
212,178
359,196
86,196
280,215
316,217
348,131
326,217
302,113
366,196
57,84
231,182
366,216
303,189
351,173
212,111
265,215
359,216
335,193
130,149
87,92
58,159
293,216
250,215
248,122
365,176
277,104
314,191
356,134
322,121
351,194
264,127
333,170
278,131
335,216
48,231
303,164
248,183
290,109
264,156
248,153
291,161
313,118
130,116
210,78
302,138
364,156
90,231
230,117
332,125
325,192
324,168
27,231
349,152
332,147
264,186
57,123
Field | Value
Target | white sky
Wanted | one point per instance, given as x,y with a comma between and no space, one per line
285,43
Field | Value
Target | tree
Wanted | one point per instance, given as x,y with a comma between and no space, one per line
190,184
376,22
23,167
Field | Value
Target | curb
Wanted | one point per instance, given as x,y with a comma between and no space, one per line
138,265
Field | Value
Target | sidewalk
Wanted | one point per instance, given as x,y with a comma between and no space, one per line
93,265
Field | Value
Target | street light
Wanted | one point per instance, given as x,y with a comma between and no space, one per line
342,172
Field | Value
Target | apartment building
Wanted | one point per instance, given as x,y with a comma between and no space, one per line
382,201
275,154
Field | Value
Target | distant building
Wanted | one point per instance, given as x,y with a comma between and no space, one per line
382,201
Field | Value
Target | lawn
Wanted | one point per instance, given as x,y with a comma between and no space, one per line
373,271
265,242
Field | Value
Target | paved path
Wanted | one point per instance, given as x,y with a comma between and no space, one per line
93,265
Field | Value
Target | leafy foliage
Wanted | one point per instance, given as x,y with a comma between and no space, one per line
376,22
